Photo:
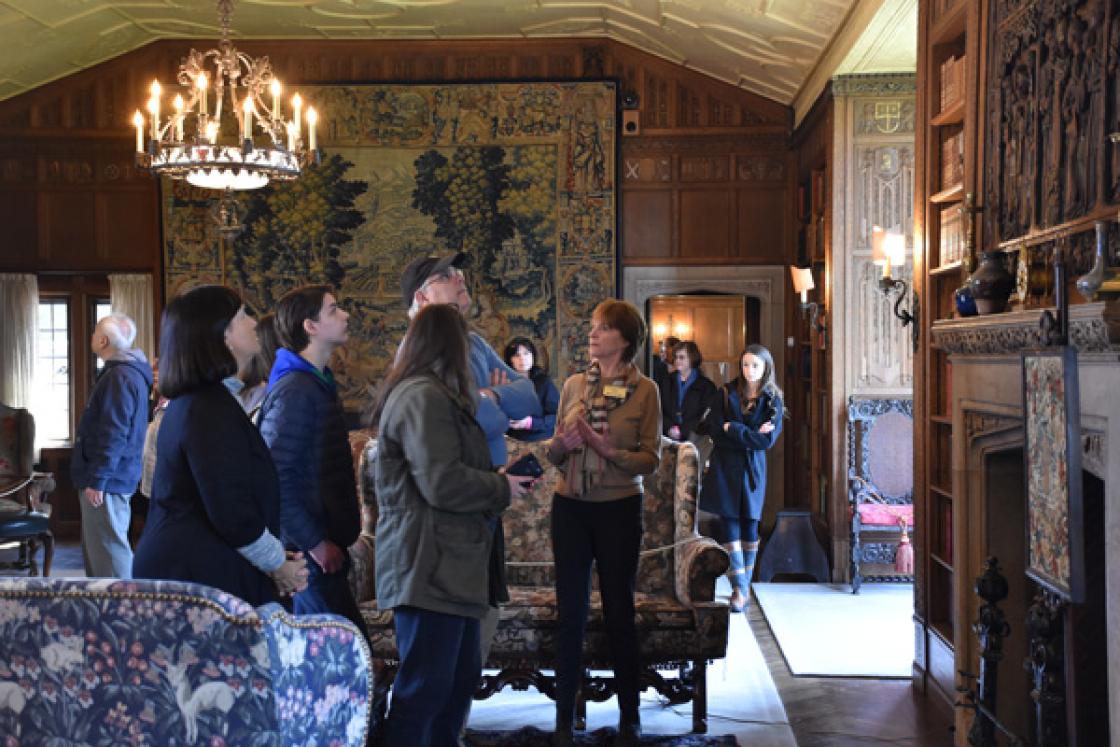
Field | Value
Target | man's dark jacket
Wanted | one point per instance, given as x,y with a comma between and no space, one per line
305,429
108,452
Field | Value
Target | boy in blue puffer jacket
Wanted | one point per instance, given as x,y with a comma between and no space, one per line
302,422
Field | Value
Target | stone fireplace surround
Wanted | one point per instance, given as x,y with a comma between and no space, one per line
987,415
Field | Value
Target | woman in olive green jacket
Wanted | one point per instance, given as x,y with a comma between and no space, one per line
437,498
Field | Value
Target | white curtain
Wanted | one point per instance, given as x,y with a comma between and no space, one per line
132,295
19,332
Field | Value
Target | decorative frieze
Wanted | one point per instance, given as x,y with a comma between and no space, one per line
1093,328
978,423
874,84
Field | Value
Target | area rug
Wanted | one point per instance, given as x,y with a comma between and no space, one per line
824,630
532,737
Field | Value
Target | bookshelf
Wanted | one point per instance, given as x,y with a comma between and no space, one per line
948,48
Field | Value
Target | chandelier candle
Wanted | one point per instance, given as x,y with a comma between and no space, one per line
187,145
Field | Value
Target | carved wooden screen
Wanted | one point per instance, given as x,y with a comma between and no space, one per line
1053,98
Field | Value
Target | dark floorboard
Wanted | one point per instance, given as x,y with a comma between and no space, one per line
838,712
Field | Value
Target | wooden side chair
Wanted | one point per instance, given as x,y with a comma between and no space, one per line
881,487
24,511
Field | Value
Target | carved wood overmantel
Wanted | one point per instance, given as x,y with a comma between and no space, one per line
1093,328
1053,99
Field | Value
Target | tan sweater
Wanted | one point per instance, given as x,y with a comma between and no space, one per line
634,428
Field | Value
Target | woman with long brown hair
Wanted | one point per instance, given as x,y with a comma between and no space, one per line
745,420
437,497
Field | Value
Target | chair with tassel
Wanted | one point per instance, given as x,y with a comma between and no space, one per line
880,489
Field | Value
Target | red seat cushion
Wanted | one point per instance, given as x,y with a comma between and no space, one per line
878,514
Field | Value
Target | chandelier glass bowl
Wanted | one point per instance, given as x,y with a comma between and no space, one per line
227,128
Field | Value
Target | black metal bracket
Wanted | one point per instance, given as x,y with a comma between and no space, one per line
888,285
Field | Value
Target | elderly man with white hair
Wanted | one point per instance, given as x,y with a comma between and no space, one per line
107,457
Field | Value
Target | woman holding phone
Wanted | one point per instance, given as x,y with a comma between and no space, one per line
437,495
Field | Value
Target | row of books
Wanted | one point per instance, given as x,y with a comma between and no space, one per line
951,246
952,81
952,160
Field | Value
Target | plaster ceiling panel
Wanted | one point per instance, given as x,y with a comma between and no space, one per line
889,44
766,46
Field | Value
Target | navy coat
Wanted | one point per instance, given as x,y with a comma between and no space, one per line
108,451
688,416
305,428
214,490
735,484
544,425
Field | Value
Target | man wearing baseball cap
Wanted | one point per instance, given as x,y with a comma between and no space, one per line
503,394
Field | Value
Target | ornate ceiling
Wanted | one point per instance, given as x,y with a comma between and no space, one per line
766,46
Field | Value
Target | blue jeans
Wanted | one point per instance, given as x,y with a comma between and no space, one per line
105,547
329,592
439,672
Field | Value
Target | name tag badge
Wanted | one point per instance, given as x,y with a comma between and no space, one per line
614,391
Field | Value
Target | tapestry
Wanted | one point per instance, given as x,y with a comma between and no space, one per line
519,176
1052,459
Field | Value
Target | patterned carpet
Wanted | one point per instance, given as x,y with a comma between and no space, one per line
532,737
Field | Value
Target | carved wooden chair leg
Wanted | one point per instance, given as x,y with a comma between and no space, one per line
857,580
48,551
700,696
31,547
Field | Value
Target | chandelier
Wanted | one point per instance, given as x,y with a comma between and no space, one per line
194,142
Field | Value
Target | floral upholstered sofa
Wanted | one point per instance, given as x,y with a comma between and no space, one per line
680,625
100,662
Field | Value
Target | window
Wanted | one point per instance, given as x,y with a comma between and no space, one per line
101,309
65,368
52,371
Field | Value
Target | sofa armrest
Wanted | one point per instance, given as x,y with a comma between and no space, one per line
700,561
362,580
320,677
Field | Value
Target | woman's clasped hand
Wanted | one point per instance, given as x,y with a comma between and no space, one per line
291,577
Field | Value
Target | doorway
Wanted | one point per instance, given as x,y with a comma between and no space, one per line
719,324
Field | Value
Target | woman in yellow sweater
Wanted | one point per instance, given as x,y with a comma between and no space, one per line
608,435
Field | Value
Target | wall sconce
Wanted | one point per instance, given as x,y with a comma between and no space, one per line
889,248
803,283
680,330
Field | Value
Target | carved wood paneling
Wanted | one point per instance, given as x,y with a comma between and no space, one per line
881,357
1053,96
884,190
89,112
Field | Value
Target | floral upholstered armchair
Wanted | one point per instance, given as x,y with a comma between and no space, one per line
100,661
680,625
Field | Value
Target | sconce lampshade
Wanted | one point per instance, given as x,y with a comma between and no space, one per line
878,246
802,279
895,248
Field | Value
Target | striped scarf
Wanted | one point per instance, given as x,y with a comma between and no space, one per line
585,468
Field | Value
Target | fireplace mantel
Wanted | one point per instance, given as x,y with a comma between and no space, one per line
1093,328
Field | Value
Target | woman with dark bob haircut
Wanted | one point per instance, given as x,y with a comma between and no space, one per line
215,511
608,435
521,355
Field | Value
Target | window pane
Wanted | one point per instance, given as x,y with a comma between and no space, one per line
52,371
101,309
